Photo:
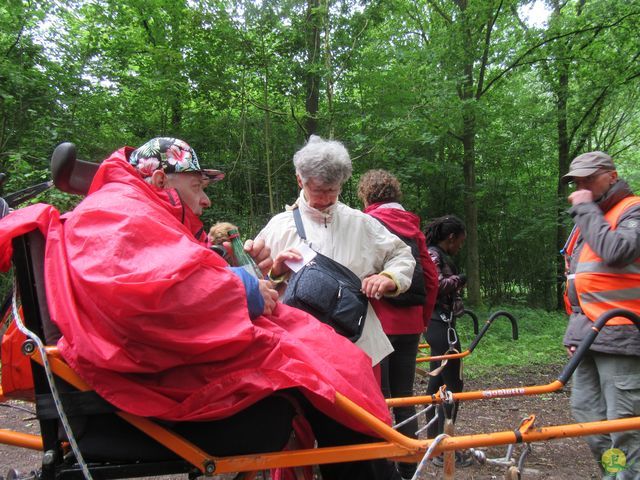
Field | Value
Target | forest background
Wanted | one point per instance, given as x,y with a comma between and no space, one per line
476,108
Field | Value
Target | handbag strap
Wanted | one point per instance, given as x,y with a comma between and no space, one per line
297,217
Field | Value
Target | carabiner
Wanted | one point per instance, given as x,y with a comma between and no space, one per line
452,337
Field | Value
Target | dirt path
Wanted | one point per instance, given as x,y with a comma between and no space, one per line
563,459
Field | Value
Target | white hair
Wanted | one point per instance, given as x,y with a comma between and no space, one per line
327,161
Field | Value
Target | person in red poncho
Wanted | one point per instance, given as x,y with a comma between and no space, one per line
160,326
405,317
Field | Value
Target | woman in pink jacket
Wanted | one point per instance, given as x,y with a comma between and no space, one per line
406,316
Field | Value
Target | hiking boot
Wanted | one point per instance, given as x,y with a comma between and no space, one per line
464,458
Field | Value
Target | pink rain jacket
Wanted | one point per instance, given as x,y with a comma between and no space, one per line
406,320
158,325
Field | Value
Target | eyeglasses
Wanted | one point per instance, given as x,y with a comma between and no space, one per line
590,178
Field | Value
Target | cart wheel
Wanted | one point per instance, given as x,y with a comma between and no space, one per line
512,473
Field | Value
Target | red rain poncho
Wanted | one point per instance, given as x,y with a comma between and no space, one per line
158,325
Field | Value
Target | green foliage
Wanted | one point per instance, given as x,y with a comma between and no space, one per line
461,100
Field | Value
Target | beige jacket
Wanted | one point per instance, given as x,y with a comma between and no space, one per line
357,241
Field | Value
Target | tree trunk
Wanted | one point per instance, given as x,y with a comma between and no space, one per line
563,166
466,93
267,137
328,67
471,206
313,71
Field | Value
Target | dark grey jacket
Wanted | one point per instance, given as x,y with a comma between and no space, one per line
617,248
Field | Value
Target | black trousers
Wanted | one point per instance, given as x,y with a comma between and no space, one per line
451,374
398,374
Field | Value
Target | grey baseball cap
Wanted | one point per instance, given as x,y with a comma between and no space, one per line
588,163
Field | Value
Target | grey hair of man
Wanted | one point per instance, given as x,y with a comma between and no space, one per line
326,161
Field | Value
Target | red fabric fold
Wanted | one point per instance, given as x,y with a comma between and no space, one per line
158,325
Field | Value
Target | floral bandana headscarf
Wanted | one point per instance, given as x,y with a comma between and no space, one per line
171,155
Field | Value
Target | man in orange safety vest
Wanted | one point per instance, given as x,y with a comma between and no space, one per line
602,258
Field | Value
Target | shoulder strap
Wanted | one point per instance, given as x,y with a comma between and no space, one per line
297,217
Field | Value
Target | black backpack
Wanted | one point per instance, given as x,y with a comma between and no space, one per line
416,294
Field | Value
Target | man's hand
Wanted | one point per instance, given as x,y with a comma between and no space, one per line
269,295
279,267
571,349
260,253
580,196
377,285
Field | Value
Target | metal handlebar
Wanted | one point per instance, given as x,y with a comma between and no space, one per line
557,384
587,341
479,335
474,319
499,313
16,198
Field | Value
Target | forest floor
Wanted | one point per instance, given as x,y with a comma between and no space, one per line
562,459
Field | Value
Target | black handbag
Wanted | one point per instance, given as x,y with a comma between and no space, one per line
329,291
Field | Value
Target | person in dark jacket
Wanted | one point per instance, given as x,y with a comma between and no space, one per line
403,318
603,272
445,237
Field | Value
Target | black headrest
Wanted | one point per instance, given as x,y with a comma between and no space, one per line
70,174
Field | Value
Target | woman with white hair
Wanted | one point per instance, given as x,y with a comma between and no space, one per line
358,241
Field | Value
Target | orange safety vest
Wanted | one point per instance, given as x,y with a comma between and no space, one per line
600,287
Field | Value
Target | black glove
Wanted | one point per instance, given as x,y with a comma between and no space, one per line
463,280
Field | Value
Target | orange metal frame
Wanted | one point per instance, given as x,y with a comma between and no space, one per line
395,444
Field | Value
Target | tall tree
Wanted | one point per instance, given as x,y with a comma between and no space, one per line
585,74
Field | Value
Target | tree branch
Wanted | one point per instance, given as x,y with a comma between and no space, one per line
440,11
20,32
298,122
514,12
418,19
595,105
545,41
485,54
